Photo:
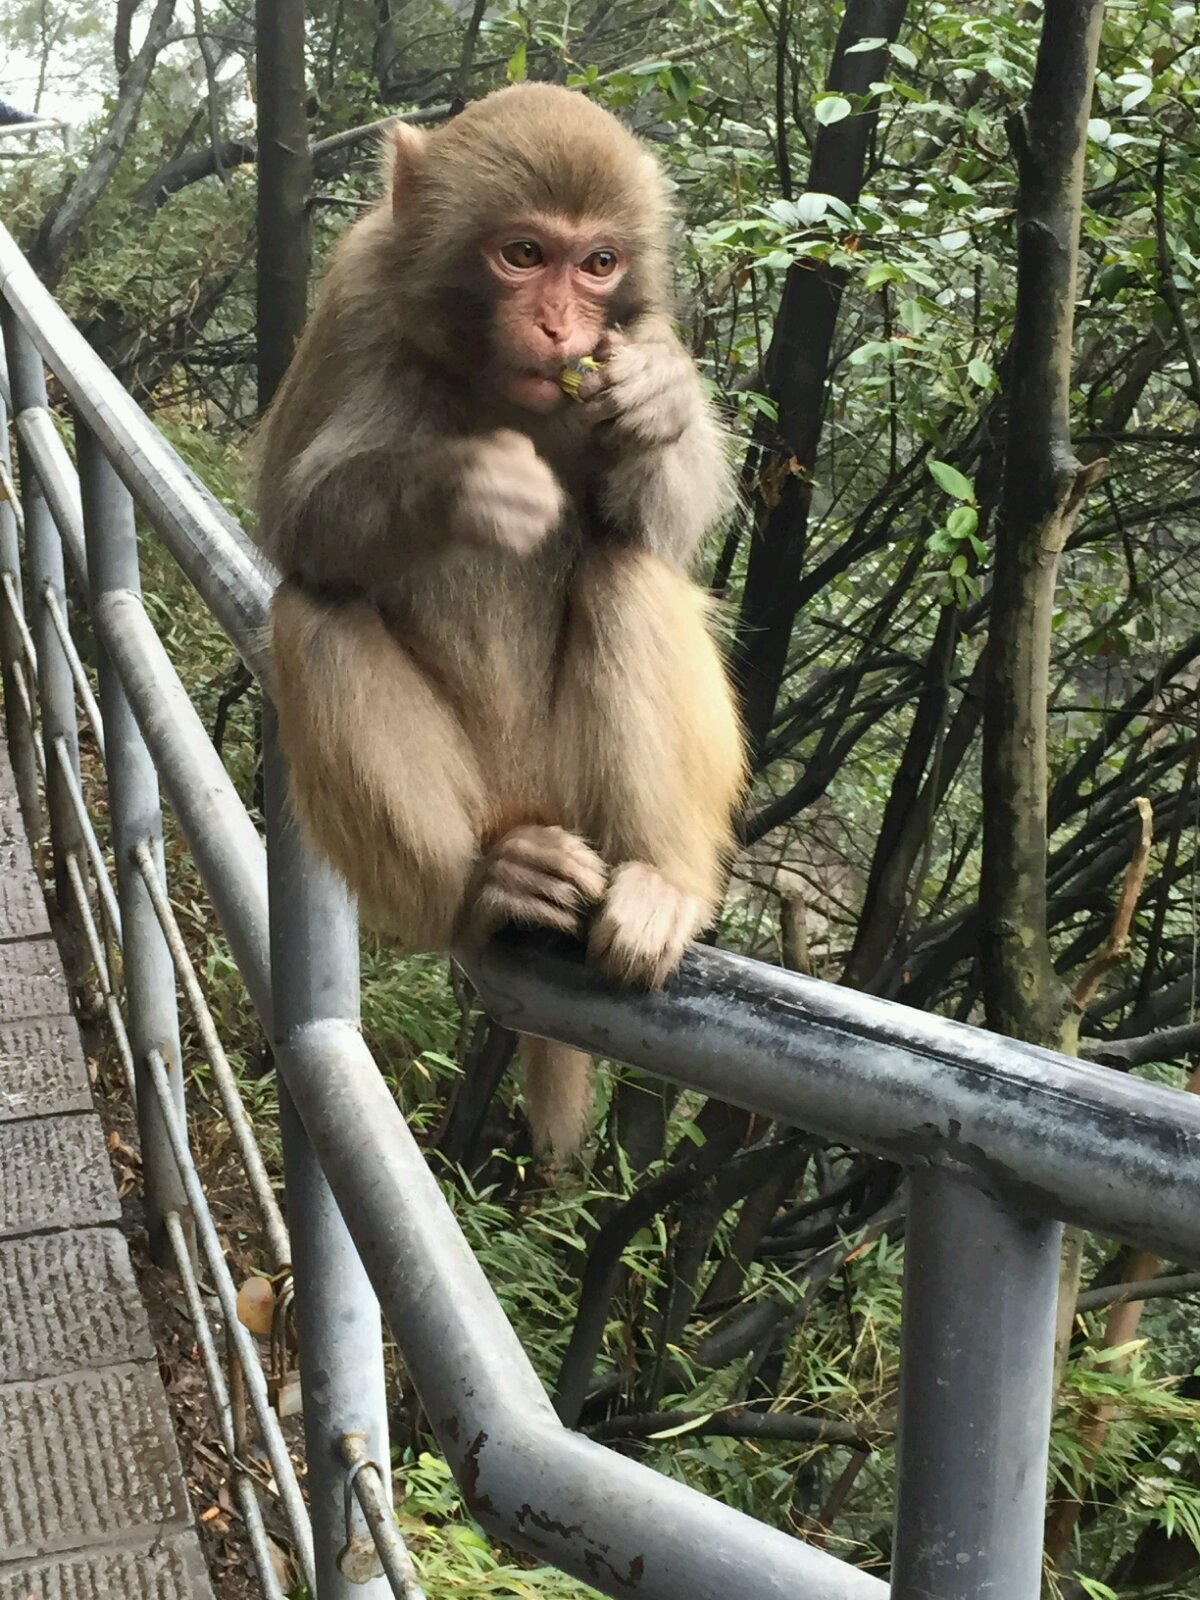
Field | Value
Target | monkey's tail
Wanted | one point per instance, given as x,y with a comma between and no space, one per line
558,1098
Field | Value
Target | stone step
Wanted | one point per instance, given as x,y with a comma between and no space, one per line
32,982
87,1458
167,1568
54,1173
42,1071
68,1300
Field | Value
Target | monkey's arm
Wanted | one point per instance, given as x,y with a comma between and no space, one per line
366,497
667,478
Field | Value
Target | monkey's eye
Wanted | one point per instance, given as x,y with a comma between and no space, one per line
601,263
523,253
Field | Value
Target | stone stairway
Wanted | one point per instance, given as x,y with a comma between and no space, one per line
93,1501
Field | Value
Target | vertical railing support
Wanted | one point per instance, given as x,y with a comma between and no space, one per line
135,815
44,555
20,734
314,977
976,1369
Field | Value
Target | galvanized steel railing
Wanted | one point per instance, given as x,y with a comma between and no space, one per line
31,130
1002,1141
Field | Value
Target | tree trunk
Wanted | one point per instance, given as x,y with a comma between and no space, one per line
797,376
1044,486
284,175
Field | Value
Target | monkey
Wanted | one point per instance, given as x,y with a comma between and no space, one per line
496,681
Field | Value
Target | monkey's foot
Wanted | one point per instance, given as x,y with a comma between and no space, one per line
644,926
544,877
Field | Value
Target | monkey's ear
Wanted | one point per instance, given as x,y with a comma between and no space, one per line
404,155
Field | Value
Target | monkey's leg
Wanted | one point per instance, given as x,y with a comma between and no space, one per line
387,784
383,776
549,877
652,756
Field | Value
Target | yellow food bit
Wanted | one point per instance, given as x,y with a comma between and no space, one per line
570,379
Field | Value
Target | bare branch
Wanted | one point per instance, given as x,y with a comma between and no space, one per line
1168,1044
1116,946
64,220
1164,1288
1166,273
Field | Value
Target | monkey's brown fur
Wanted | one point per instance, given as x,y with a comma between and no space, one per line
496,685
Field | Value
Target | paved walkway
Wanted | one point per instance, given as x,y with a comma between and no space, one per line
92,1496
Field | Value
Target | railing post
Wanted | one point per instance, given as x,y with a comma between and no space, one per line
20,733
135,815
976,1367
43,548
314,977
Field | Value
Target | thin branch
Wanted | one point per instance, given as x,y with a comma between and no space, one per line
737,1423
210,76
1168,1044
470,40
1116,946
1173,1287
1166,273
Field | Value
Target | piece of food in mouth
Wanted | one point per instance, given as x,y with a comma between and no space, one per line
570,379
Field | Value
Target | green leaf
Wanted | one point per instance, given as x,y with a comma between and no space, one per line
516,64
764,406
883,272
902,54
1099,131
1095,1590
1113,279
914,316
962,521
870,351
958,567
951,480
861,46
981,373
679,85
832,108
811,207
689,1426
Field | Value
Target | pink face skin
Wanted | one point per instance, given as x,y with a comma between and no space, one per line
553,280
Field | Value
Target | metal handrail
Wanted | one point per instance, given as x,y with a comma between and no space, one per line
1002,1140
1040,1130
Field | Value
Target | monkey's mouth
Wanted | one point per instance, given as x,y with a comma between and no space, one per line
535,388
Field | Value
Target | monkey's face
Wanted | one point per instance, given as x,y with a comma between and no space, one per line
553,283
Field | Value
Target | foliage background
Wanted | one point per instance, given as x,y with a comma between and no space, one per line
866,230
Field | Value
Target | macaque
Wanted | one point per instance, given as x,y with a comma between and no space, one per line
496,684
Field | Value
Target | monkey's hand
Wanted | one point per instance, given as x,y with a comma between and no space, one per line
644,926
647,394
535,876
505,493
